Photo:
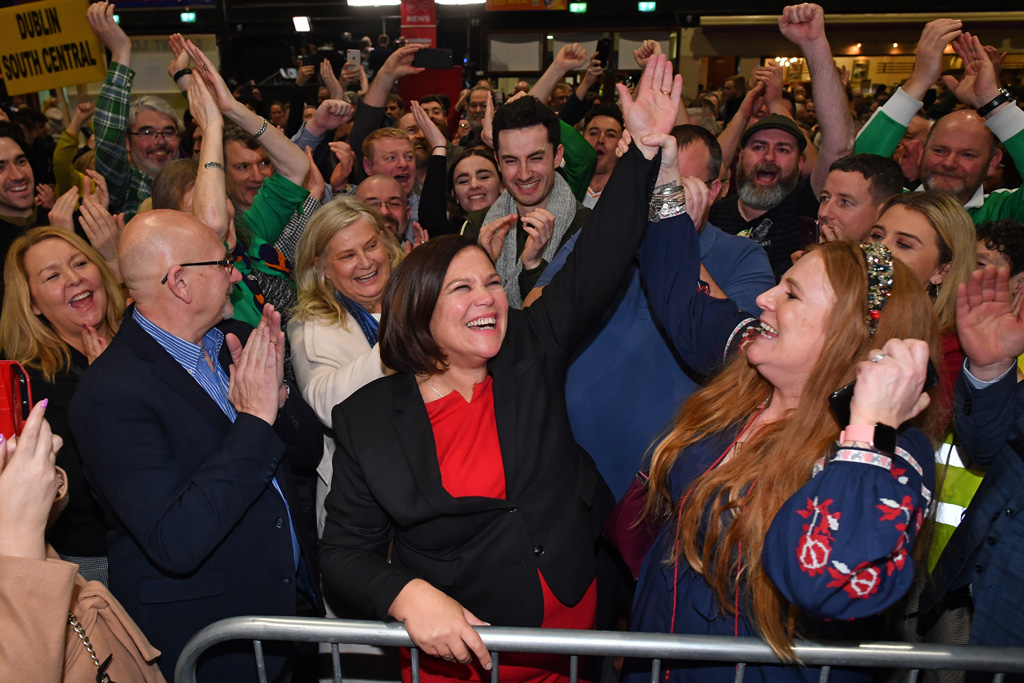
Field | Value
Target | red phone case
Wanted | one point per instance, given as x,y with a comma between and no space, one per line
15,397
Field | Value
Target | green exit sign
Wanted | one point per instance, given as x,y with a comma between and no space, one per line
188,17
646,6
578,7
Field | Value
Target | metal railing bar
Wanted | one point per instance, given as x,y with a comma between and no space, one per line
614,643
261,665
336,662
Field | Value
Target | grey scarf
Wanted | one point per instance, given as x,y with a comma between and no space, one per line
561,203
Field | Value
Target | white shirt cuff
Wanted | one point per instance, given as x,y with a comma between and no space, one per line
901,107
1006,122
980,383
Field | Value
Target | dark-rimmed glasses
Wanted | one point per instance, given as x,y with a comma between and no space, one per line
223,263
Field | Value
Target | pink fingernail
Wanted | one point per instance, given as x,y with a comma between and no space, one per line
45,402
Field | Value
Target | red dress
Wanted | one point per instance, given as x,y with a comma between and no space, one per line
469,456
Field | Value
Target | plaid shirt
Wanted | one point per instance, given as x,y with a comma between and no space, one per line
128,185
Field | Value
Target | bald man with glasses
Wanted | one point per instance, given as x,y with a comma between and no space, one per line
189,434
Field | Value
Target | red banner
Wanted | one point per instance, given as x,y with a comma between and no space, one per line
504,5
419,22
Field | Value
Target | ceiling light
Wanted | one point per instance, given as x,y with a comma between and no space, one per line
373,3
301,24
460,2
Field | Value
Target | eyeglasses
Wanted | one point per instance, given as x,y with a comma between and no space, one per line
375,203
223,263
153,133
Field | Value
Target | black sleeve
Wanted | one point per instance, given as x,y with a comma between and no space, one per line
366,120
433,200
573,111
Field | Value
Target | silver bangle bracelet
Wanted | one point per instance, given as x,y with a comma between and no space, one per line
262,130
666,201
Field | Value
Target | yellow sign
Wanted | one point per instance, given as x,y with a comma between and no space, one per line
505,5
48,44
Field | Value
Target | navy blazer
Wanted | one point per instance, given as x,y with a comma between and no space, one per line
198,533
486,552
987,548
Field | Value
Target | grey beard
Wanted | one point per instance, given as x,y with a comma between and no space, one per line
766,198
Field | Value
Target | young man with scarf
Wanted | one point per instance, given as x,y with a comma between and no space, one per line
537,200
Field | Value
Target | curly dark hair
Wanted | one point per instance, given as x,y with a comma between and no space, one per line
1006,237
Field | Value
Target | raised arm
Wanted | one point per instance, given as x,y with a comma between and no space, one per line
581,291
729,139
570,58
804,25
886,127
289,161
208,197
111,123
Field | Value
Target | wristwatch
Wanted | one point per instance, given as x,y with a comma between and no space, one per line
881,436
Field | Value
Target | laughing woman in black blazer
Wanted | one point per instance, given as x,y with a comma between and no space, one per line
465,458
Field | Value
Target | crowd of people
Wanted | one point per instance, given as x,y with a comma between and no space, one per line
398,360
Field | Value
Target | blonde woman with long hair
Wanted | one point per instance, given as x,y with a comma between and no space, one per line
343,264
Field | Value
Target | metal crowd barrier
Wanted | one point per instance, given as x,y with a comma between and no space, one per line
655,647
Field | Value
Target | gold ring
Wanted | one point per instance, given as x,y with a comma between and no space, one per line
666,92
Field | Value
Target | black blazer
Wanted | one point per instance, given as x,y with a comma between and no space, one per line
197,530
484,552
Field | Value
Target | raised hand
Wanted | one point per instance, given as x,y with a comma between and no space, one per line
399,63
890,386
205,111
771,75
753,101
991,333
28,486
303,75
592,75
492,235
62,213
330,80
329,115
928,55
571,57
346,163
419,236
439,625
435,138
181,59
803,24
654,107
100,16
647,49
539,224
102,229
84,111
219,90
979,84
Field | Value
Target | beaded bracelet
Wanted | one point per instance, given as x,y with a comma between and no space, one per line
262,130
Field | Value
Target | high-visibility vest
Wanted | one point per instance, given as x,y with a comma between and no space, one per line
956,485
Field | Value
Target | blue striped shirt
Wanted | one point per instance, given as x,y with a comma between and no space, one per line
214,381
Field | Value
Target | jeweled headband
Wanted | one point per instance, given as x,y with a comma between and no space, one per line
879,263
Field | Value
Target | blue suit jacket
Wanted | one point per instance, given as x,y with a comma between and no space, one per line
198,533
987,549
626,382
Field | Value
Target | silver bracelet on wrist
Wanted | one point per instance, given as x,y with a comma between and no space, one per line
666,201
262,130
